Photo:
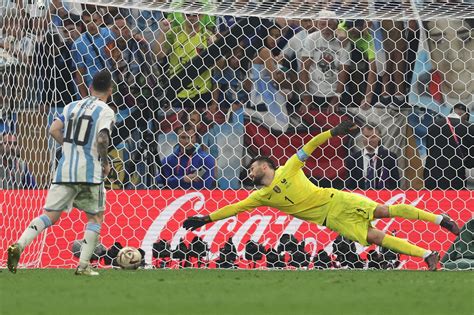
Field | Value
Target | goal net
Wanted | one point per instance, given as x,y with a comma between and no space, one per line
202,87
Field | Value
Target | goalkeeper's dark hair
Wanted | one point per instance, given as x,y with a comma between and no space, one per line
263,159
102,81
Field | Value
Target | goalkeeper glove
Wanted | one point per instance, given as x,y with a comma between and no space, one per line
343,128
196,222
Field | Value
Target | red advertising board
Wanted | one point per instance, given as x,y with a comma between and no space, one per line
139,218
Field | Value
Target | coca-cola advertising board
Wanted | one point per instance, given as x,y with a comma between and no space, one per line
140,218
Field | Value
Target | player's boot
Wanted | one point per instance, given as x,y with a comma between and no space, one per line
14,252
86,272
450,225
432,261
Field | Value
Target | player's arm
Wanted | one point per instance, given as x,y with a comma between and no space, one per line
228,211
296,162
103,149
56,130
105,123
342,129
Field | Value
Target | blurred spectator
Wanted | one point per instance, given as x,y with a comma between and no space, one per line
143,21
207,22
374,167
451,47
88,51
137,44
189,166
63,10
292,52
135,75
133,61
395,46
144,163
363,68
450,145
231,82
167,141
14,172
183,43
222,139
461,253
58,87
230,144
267,100
442,74
22,25
207,131
225,22
325,67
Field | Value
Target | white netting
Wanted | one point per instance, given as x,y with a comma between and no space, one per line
223,82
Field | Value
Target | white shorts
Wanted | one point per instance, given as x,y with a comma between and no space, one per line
88,198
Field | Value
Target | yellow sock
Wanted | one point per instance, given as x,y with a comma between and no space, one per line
410,212
403,247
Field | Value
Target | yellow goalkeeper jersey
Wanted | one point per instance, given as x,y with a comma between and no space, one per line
290,191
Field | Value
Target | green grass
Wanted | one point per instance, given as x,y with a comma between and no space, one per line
222,292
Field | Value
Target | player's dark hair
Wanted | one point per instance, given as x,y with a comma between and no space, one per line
102,81
264,159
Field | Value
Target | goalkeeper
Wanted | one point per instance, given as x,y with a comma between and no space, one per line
289,190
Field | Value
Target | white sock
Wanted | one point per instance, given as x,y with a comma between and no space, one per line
426,254
438,219
33,230
91,237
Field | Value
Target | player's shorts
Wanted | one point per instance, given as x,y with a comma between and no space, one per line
88,198
350,215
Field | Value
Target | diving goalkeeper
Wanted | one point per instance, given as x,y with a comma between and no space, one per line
288,189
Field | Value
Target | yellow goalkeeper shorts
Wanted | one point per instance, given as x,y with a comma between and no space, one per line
350,215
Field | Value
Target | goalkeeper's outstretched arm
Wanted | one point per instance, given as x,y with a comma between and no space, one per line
224,212
342,129
250,202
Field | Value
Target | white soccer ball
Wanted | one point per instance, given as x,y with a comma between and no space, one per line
129,258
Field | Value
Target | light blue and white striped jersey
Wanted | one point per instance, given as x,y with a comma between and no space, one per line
83,120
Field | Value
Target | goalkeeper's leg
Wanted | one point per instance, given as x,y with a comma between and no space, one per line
36,226
402,246
413,213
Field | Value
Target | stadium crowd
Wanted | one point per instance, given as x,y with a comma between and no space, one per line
196,95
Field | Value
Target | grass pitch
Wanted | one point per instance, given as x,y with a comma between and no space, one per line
55,291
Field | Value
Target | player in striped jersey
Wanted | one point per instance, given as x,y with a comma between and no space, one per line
83,131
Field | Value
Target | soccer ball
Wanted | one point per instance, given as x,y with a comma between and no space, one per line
129,258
